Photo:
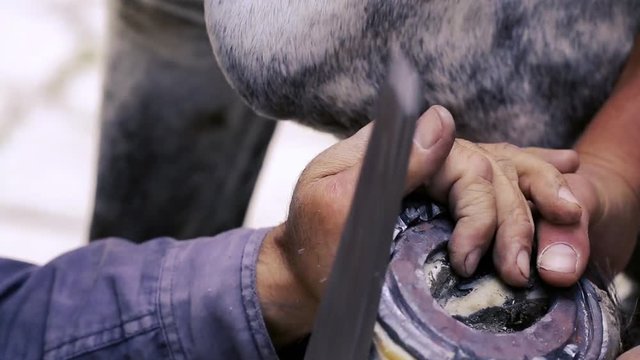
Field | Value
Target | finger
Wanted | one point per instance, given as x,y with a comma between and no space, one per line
434,136
433,140
541,182
509,217
565,160
563,250
514,234
465,183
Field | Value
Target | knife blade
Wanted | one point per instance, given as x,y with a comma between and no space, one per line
348,310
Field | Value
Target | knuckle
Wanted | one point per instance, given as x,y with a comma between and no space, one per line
479,220
477,201
333,190
544,165
463,143
478,193
521,221
557,177
504,148
573,156
507,148
546,178
508,167
323,194
479,165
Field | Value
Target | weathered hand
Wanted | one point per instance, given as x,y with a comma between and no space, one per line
486,187
296,257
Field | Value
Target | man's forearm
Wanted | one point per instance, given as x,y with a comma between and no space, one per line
612,139
610,158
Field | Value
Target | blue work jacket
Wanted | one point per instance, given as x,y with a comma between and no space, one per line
116,300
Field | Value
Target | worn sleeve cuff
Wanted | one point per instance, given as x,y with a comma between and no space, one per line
208,300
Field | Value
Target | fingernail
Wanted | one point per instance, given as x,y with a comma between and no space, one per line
430,127
565,194
444,114
471,261
522,261
560,258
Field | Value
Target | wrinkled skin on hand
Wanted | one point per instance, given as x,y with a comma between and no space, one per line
486,187
306,243
489,188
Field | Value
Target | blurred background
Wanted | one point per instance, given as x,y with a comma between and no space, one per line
50,91
50,82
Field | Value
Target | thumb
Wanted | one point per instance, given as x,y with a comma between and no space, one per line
565,160
433,139
432,142
563,250
341,156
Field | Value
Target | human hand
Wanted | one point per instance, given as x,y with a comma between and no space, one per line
601,218
607,228
483,184
487,187
296,257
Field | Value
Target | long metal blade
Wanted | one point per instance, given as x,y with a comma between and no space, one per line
344,324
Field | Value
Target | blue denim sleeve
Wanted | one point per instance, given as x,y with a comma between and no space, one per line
161,300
